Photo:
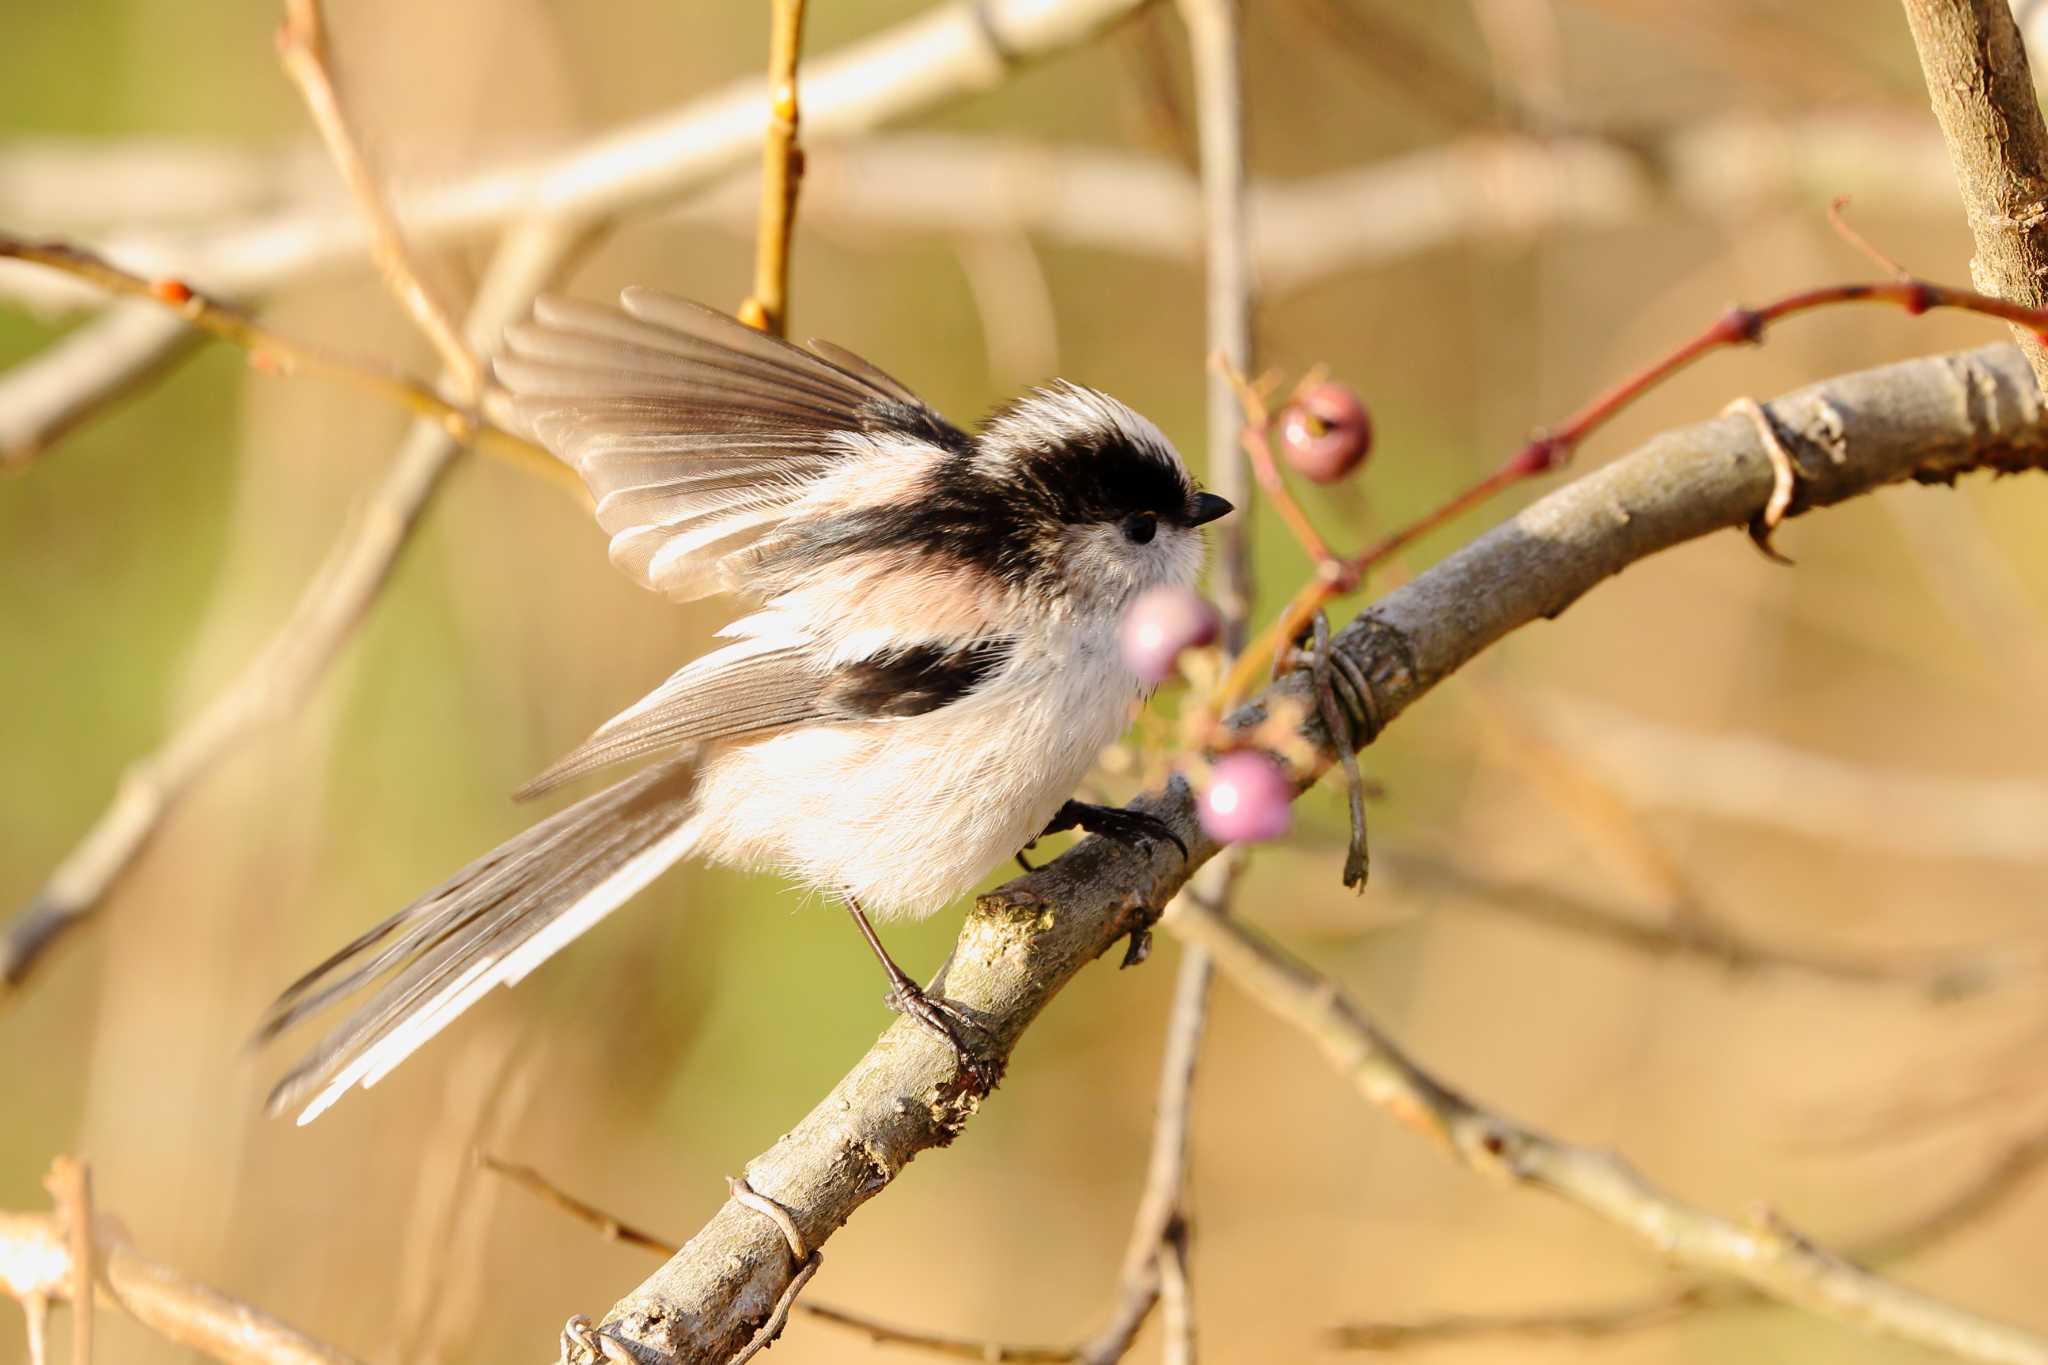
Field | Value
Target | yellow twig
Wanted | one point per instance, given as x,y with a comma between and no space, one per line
782,168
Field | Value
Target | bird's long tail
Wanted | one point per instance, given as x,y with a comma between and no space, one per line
489,924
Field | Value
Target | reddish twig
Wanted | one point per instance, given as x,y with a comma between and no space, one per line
1551,447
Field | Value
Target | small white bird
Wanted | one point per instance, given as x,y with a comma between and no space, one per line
932,669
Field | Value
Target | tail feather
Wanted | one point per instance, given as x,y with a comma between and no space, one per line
490,924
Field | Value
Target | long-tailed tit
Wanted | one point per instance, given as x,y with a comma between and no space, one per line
931,669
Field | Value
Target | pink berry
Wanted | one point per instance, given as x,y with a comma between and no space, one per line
1248,800
1160,624
1326,433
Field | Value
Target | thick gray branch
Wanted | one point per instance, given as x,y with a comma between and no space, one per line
1930,420
1976,70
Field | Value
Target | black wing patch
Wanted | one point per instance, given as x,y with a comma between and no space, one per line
768,693
919,679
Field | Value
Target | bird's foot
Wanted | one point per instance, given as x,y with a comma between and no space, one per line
1115,822
949,1021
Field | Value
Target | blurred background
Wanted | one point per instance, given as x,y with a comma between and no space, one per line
1476,213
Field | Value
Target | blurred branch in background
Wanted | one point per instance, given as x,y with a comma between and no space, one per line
1474,188
1023,942
302,47
273,352
782,170
40,1264
1975,66
2000,1182
127,347
1764,781
1938,977
1764,1253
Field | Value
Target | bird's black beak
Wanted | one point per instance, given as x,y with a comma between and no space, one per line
1206,508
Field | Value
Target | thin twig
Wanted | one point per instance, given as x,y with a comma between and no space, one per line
1763,1253
782,170
294,660
273,353
302,47
611,1228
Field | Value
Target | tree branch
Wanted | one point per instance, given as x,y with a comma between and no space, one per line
1976,70
1928,420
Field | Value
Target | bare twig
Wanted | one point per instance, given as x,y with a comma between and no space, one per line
610,1228
302,47
1975,66
1023,942
782,169
272,352
295,659
1763,1253
38,1266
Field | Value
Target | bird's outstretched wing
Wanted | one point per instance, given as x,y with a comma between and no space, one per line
698,435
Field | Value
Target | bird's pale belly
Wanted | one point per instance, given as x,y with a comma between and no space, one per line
904,818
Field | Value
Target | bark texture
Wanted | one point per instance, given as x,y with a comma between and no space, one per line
1976,70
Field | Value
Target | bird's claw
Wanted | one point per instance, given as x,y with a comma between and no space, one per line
1115,822
950,1022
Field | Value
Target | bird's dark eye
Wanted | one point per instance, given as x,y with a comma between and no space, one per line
1139,527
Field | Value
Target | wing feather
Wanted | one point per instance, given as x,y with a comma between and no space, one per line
761,686
698,435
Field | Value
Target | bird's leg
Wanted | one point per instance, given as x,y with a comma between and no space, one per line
1114,822
907,997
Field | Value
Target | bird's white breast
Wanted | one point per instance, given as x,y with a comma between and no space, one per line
907,814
